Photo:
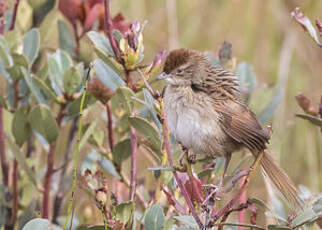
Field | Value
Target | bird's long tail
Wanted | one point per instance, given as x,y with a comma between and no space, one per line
281,181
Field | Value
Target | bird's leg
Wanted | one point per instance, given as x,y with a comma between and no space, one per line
227,160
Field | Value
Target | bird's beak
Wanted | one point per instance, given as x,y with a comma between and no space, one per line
163,75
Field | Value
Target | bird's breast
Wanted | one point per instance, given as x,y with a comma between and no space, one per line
194,122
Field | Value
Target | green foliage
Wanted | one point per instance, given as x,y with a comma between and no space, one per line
46,98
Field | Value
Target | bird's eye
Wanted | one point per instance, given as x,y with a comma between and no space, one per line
179,71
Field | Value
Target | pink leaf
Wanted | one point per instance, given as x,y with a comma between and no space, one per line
92,15
306,24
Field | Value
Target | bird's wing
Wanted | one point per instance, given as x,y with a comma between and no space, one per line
241,124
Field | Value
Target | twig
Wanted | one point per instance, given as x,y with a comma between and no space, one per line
49,172
109,31
240,191
4,163
239,209
133,163
109,125
242,200
14,16
15,194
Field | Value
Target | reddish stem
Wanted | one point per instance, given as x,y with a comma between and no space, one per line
109,125
15,193
109,31
133,163
179,182
14,16
242,200
50,170
4,163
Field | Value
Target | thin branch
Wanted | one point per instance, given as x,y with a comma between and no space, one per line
133,163
14,16
109,125
109,31
49,172
230,204
4,163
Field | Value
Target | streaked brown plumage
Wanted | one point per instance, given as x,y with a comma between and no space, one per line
205,114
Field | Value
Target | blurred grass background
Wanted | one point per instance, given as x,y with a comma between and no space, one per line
263,34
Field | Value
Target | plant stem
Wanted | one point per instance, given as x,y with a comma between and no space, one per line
49,172
226,209
109,31
242,200
133,163
109,125
50,167
14,16
171,162
4,163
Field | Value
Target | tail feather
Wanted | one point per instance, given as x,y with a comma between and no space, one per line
281,181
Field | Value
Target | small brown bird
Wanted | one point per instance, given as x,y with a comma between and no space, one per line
206,115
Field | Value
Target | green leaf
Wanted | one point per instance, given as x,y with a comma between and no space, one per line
19,61
305,216
117,35
149,103
188,221
314,120
43,122
124,211
317,205
31,44
277,227
96,227
20,126
123,97
20,157
250,226
107,75
161,168
5,53
154,218
66,40
108,166
96,138
270,109
72,80
73,107
89,131
147,130
121,151
58,64
37,224
40,84
246,77
101,43
34,90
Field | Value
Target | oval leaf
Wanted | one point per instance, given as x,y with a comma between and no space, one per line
66,40
124,211
107,75
20,126
121,151
154,218
43,122
34,90
5,56
147,130
72,80
123,96
37,224
101,43
31,44
19,61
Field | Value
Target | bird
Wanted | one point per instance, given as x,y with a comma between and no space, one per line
205,113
